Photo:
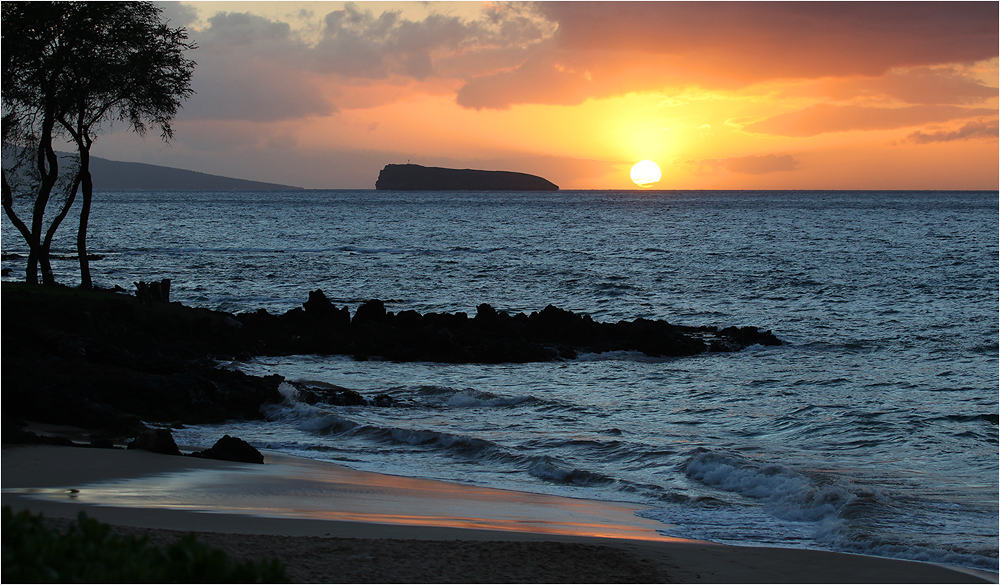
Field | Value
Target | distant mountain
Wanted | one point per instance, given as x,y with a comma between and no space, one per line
410,177
111,175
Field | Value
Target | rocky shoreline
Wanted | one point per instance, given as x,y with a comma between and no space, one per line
107,360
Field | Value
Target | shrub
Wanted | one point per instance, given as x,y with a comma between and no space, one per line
88,553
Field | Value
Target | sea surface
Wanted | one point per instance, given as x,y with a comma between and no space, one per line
872,430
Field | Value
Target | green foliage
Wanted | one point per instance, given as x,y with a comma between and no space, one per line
89,553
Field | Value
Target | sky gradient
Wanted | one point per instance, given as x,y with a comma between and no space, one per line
721,95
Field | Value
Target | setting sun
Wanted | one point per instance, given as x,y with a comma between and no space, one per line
644,173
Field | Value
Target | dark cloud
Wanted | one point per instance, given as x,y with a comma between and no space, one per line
177,14
253,68
628,46
250,68
977,130
823,118
786,38
357,43
752,165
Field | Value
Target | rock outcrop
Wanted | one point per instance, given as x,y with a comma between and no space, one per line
102,360
411,177
490,336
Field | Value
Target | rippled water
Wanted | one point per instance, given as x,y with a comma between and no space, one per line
874,429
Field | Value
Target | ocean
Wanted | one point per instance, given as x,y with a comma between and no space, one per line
872,429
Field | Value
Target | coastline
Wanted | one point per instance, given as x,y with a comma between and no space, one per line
394,529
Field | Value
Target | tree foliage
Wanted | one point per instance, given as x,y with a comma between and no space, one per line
70,69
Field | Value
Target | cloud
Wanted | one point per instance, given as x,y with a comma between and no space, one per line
563,53
823,118
752,165
359,44
825,38
977,130
177,14
249,68
254,68
612,48
919,85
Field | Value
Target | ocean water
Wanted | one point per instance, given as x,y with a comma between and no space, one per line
873,429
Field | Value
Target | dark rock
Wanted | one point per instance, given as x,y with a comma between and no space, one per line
411,177
737,338
318,305
231,449
340,397
157,441
369,312
19,436
153,292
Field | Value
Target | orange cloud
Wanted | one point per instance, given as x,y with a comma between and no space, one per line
822,118
919,85
984,130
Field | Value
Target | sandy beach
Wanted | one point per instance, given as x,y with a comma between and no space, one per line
332,524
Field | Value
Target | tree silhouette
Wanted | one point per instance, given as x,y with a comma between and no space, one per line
69,69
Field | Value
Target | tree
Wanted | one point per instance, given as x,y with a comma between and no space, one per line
73,67
29,125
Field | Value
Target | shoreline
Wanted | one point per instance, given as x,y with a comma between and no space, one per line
404,529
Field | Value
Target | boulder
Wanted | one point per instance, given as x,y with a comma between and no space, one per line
157,441
231,449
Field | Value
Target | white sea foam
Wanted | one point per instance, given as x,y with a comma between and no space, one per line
469,398
786,493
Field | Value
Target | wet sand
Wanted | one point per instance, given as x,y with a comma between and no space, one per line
332,524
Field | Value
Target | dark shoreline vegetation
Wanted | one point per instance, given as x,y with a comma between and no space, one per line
108,361
88,551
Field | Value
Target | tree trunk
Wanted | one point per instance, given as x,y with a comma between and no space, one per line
87,185
31,272
47,243
48,168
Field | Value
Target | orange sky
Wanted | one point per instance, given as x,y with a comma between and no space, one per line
779,95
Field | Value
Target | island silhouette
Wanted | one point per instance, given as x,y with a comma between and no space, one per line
411,177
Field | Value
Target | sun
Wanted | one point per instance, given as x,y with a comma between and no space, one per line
644,173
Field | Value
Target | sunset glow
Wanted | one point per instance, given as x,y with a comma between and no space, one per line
720,95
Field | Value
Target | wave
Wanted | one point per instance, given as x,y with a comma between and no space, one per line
536,460
776,505
471,398
551,469
788,494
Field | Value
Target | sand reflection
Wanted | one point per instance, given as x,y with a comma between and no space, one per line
288,487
